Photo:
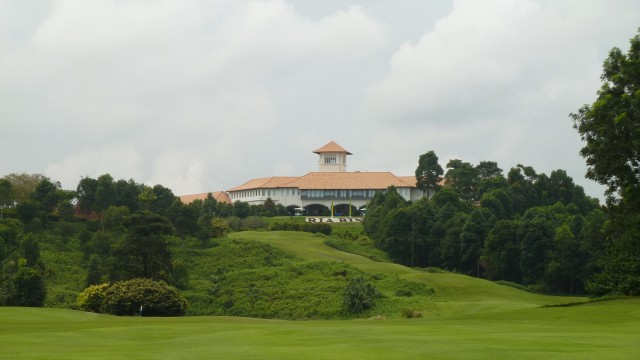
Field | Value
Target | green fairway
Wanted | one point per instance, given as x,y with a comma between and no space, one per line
604,330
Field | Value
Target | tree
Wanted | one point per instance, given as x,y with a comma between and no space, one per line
6,196
488,170
219,227
127,193
86,193
269,207
184,217
463,178
29,287
164,198
241,209
105,193
474,232
113,218
564,270
610,127
501,252
144,251
428,173
147,196
94,274
23,185
46,195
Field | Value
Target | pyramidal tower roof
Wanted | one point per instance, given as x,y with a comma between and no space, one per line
332,147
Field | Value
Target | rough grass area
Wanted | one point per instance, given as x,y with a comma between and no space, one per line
253,279
602,330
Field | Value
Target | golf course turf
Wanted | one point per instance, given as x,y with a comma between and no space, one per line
470,319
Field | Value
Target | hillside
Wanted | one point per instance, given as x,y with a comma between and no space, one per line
453,292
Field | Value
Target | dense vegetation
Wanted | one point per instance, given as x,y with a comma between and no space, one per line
527,228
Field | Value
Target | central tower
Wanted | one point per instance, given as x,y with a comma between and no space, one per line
333,158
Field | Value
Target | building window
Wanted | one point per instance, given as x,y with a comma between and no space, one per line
330,160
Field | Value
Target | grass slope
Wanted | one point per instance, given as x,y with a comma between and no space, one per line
453,293
602,330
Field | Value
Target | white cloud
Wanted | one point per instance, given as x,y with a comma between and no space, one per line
121,162
496,80
204,95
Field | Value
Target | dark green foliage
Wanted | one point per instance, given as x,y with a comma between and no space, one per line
94,273
6,195
501,251
611,132
21,276
86,192
29,288
241,209
483,224
429,173
163,200
144,251
105,193
184,217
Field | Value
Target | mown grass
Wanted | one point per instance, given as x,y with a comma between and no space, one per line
602,330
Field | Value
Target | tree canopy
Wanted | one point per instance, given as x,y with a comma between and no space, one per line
610,129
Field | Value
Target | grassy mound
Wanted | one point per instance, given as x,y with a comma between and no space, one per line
253,279
453,292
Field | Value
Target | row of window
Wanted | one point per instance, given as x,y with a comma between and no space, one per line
313,194
338,194
262,192
330,160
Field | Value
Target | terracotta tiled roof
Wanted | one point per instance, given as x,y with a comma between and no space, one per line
410,180
349,181
220,196
332,147
267,183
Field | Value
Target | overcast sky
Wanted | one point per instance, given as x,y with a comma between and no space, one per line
202,95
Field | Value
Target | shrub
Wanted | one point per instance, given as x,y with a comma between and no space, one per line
358,295
156,297
411,314
125,298
404,293
92,298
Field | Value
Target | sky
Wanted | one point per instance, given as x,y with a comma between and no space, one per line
200,95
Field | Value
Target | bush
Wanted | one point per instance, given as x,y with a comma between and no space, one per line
157,298
92,298
411,314
359,295
126,297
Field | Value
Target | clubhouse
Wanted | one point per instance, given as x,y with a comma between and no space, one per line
317,192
